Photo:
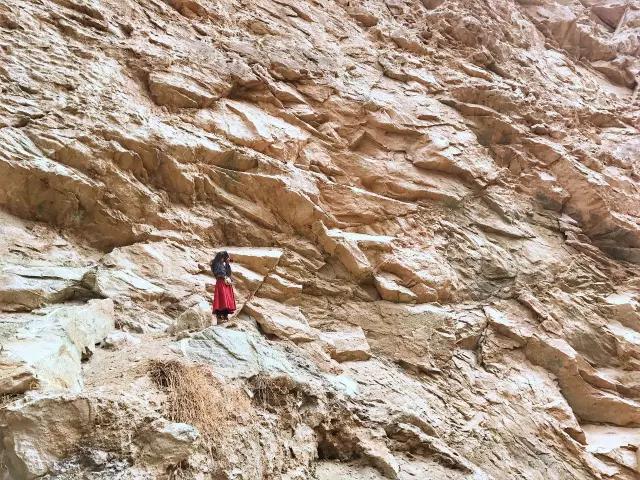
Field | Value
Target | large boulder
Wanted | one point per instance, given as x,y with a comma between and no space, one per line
148,272
46,352
197,317
37,432
118,283
236,354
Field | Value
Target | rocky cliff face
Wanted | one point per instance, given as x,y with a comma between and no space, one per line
433,207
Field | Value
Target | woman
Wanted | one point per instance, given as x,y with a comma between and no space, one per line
224,300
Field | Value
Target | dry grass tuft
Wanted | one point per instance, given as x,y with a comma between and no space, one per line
277,394
196,397
270,391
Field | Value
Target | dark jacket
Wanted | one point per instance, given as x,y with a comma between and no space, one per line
221,269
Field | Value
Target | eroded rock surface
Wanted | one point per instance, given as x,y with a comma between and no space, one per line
433,211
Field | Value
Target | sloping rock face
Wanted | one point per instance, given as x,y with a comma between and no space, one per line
433,211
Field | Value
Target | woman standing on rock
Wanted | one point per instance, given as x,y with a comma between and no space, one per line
224,300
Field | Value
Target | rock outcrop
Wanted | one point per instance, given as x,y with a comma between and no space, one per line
432,209
41,431
47,348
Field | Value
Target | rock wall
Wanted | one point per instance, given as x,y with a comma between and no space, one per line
433,207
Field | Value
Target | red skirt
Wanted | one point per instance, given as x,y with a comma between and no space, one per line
224,300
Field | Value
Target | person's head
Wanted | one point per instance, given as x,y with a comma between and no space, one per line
221,257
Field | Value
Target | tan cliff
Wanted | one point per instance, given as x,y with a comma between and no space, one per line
433,207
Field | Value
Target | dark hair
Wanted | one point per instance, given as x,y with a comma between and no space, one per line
220,264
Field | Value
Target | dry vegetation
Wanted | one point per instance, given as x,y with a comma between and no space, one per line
196,397
273,391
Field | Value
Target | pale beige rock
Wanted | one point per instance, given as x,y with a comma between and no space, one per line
546,188
23,164
198,317
120,339
616,443
509,327
283,321
246,282
380,457
260,260
46,352
250,126
425,272
178,91
166,443
24,288
39,431
347,345
317,350
347,248
364,17
354,260
279,288
125,284
477,160
418,336
587,400
626,309
390,290
470,328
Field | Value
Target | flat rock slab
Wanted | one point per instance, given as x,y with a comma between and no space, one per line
117,283
25,287
236,354
261,260
619,444
383,242
347,345
283,321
